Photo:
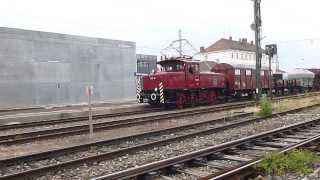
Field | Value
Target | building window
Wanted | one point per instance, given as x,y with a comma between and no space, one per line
232,55
248,72
241,56
237,56
237,72
246,56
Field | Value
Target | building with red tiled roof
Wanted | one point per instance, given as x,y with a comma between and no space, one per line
233,52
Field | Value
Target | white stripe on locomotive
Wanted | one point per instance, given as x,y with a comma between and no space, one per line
161,92
139,88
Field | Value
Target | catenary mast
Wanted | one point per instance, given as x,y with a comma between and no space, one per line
257,28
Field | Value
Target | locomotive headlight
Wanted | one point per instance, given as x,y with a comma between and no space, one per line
153,96
155,89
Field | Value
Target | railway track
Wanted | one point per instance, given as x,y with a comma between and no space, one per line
226,160
77,119
45,133
126,113
83,129
158,138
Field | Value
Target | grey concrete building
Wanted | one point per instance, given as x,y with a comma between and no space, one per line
41,68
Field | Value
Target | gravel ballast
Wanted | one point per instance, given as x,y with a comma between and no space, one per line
51,144
177,148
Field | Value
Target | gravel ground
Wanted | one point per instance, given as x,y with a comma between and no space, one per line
177,148
45,145
70,124
115,146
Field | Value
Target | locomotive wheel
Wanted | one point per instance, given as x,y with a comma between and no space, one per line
180,101
193,99
202,98
211,98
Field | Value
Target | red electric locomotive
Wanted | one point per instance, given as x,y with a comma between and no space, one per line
180,82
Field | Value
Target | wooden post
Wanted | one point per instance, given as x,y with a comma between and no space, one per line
89,92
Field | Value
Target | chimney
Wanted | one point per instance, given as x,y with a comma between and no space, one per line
244,40
240,40
202,49
230,38
251,42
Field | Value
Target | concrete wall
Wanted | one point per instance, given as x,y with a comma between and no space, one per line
40,68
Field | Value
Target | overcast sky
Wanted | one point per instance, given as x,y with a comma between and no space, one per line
293,24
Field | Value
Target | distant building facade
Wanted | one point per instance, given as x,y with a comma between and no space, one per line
146,63
41,68
233,52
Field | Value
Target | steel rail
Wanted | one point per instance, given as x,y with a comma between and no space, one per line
76,119
113,154
82,129
155,166
126,113
245,166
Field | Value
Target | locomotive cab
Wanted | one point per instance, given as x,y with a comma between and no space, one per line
179,82
174,75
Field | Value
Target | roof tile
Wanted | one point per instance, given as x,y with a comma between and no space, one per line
224,44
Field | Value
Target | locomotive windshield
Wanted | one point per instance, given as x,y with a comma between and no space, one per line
172,67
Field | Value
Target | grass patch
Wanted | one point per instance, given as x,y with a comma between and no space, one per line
298,161
265,107
286,105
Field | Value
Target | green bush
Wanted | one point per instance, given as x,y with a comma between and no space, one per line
297,161
265,107
301,161
274,164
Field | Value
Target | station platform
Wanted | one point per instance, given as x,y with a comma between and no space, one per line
31,114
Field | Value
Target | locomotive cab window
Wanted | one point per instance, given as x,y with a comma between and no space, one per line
191,69
248,72
173,67
237,72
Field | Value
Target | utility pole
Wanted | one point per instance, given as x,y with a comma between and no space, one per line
257,28
181,46
180,43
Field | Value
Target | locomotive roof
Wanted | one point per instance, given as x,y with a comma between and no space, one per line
177,61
